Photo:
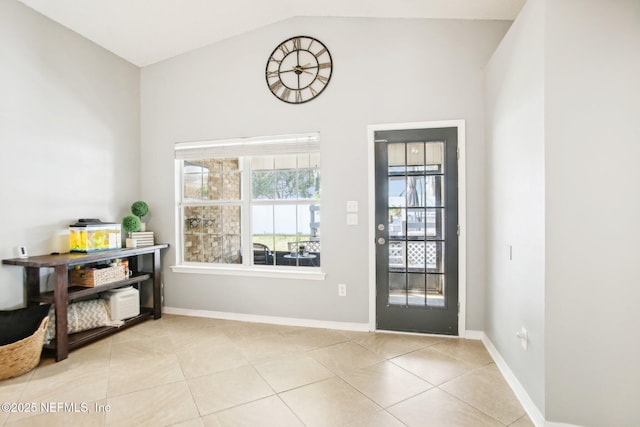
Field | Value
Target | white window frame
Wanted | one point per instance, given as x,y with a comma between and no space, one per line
242,148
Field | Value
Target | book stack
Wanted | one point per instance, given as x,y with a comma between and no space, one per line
143,238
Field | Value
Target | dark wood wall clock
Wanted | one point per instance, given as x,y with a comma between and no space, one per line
299,69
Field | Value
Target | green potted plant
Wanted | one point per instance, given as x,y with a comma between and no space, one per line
140,209
131,223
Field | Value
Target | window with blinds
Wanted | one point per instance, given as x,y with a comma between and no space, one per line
250,201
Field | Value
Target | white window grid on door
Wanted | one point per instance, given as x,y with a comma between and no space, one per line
416,255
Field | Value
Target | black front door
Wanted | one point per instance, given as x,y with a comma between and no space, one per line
417,230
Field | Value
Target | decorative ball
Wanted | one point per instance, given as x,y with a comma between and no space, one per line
139,208
131,223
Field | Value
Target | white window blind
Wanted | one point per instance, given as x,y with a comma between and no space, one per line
256,146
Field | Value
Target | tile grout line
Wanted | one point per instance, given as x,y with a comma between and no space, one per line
471,406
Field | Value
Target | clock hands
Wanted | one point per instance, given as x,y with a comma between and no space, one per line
299,69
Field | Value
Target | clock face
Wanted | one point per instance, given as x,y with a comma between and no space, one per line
299,69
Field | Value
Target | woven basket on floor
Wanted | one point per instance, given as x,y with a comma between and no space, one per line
22,356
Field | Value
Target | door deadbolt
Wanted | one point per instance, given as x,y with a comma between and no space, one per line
381,227
381,241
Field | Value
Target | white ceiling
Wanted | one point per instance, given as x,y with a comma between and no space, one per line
147,31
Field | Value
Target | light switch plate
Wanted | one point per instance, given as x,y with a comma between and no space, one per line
352,206
352,219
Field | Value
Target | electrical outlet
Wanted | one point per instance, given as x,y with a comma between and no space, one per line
523,335
342,290
21,252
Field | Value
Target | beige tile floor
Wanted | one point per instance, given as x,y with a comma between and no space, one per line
188,371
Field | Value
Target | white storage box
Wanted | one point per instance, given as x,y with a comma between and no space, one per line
123,302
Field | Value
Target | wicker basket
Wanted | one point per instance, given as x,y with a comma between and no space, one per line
22,356
97,276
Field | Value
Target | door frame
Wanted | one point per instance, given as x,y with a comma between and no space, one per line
462,210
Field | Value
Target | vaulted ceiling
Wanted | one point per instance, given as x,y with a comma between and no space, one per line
147,31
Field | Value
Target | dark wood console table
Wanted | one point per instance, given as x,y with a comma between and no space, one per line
63,293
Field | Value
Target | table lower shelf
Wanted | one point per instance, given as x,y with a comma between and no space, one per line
80,339
75,292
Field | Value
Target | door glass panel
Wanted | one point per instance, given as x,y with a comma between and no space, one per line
398,288
416,216
415,157
397,191
416,294
434,157
416,223
434,189
415,191
397,221
396,255
435,290
435,224
416,256
435,257
396,156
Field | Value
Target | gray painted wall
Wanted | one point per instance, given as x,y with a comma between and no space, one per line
386,71
515,198
69,132
592,79
579,60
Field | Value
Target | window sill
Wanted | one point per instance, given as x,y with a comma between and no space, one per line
280,273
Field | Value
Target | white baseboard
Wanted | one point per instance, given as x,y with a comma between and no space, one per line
473,335
530,408
254,318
